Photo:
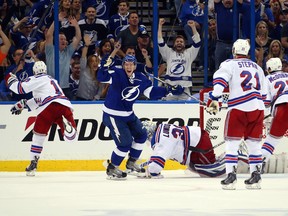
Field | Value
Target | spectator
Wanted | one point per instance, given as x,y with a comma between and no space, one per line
117,21
284,32
76,9
261,13
4,45
191,11
130,34
94,27
22,68
262,42
275,51
224,14
65,53
89,87
21,32
179,60
74,78
275,33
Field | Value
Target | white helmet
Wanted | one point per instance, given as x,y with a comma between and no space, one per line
150,128
241,47
39,68
273,64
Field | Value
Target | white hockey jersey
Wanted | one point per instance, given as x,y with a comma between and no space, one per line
45,90
277,83
246,82
179,64
172,142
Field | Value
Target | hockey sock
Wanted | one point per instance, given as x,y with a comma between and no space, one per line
37,145
136,150
118,155
269,146
231,158
255,155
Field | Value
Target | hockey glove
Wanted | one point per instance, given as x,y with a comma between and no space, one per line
107,61
18,107
175,90
11,78
213,104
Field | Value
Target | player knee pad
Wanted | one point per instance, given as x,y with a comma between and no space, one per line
70,136
254,147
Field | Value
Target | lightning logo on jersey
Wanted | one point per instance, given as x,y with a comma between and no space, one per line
130,93
177,69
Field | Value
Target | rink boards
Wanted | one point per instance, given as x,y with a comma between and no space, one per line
94,144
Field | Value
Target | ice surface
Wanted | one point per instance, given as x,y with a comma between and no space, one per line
90,194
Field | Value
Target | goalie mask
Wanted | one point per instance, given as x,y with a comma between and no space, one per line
273,64
241,47
39,68
150,128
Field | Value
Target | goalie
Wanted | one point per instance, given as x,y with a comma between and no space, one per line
172,142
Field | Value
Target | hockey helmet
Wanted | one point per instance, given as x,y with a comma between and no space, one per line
39,68
150,128
129,58
273,64
240,47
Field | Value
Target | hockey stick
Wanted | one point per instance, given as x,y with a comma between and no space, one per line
157,78
195,149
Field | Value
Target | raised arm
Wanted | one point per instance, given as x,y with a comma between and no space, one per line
161,22
77,37
6,42
49,35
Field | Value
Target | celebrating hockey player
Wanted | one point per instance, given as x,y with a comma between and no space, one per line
277,97
126,129
244,119
50,103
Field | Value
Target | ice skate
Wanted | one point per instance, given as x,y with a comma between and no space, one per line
229,182
31,169
254,181
113,173
133,168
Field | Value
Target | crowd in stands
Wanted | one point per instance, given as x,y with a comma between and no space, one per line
88,30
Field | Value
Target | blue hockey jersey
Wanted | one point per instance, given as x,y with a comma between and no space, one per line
123,91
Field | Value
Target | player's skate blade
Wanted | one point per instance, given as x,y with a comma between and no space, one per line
254,181
230,182
31,169
132,168
113,173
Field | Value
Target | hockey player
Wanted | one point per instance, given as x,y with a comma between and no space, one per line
245,115
50,103
126,129
277,97
172,142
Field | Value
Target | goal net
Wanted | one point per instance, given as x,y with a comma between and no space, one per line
214,125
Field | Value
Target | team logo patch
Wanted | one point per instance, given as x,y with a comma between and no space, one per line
130,93
177,69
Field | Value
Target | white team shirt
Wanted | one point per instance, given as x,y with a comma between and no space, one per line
45,90
246,81
172,142
277,83
179,64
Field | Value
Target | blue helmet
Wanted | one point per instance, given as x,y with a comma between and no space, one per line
129,58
